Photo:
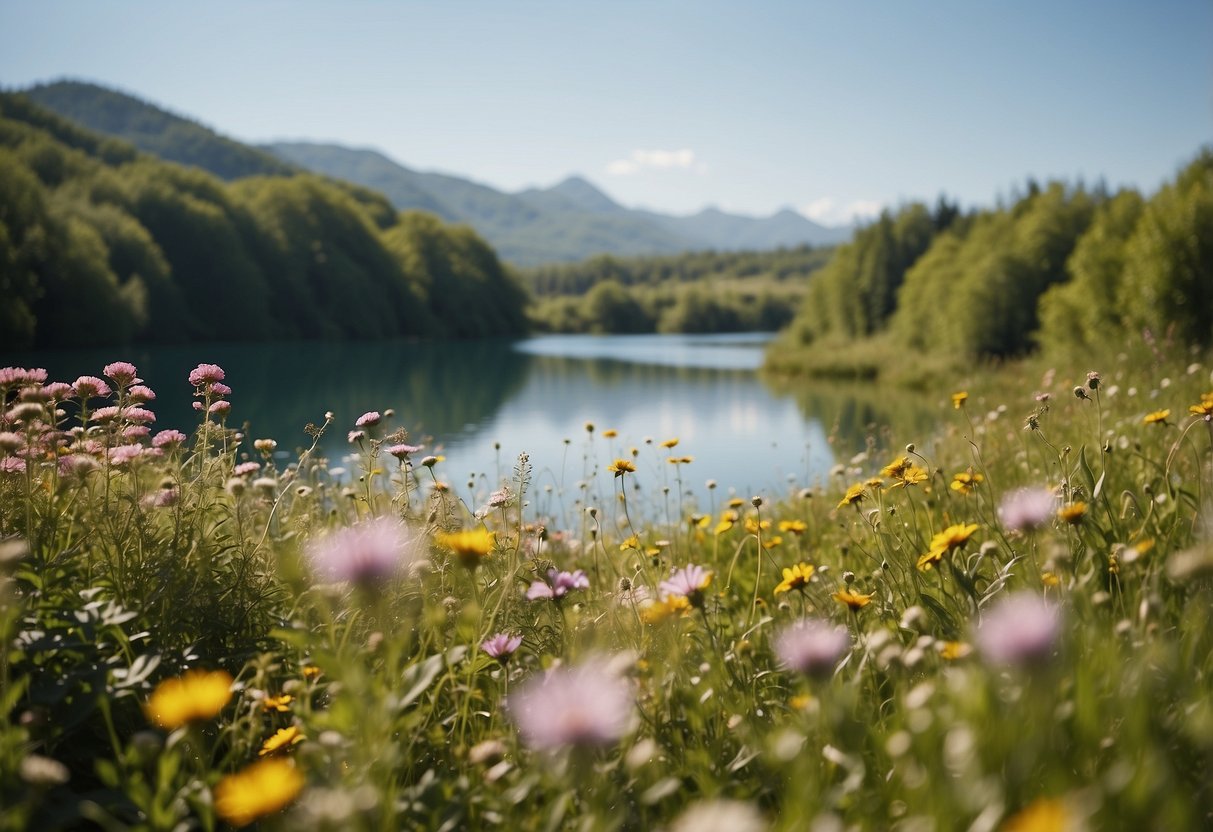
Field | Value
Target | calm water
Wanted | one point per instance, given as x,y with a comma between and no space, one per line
463,399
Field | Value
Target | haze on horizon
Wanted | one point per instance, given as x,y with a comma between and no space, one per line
832,111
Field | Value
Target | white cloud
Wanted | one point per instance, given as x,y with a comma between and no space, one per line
655,160
829,212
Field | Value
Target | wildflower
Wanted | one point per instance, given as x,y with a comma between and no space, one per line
501,646
897,467
364,553
402,451
966,481
796,527
501,498
913,475
632,542
610,433
557,585
140,394
1043,815
854,600
124,454
281,704
91,387
753,526
206,374
123,373
171,438
1205,408
853,496
659,611
670,443
193,696
220,408
583,706
720,815
1019,630
12,465
470,547
431,461
57,391
680,460
1050,579
261,789
265,446
953,650
811,646
11,442
953,537
795,577
282,738
1158,417
1094,380
20,376
138,415
369,419
1027,508
77,465
311,671
622,466
959,399
688,582
1073,513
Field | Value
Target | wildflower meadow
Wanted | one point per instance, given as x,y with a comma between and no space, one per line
1002,624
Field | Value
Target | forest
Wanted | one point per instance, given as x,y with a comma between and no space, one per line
1059,266
102,244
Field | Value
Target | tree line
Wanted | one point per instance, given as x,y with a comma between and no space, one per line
102,244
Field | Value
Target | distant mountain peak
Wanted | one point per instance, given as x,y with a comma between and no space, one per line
582,193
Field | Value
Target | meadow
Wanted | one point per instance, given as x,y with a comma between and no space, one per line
1002,623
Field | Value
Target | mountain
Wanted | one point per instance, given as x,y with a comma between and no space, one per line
567,222
153,130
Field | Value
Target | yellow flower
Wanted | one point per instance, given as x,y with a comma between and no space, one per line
1073,513
959,399
259,790
966,481
953,650
670,443
953,537
754,527
310,671
897,467
736,502
632,542
854,600
795,577
704,521
1043,815
283,738
1158,417
610,433
622,466
659,611
282,703
470,546
195,695
727,520
796,527
1205,408
771,542
854,495
912,475
680,460
800,702
927,562
1049,579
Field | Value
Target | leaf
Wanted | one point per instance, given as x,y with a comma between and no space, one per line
941,612
1098,486
422,675
1085,468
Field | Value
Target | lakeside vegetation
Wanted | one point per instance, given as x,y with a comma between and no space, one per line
101,244
695,292
1000,622
1061,267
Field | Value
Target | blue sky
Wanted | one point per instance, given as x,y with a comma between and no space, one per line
831,108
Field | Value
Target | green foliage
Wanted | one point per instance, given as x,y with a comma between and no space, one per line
101,245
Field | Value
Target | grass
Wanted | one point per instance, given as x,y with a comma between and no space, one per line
342,627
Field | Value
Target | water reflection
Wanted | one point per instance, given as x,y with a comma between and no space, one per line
463,399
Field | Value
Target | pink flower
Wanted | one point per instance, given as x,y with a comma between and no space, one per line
220,408
365,553
12,465
220,389
135,432
168,437
138,415
812,646
402,451
1028,508
123,373
91,387
123,454
16,376
688,582
558,585
501,646
205,374
77,465
57,391
105,414
369,419
583,706
246,468
140,394
1020,629
11,442
355,436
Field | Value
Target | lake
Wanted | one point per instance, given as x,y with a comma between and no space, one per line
481,403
